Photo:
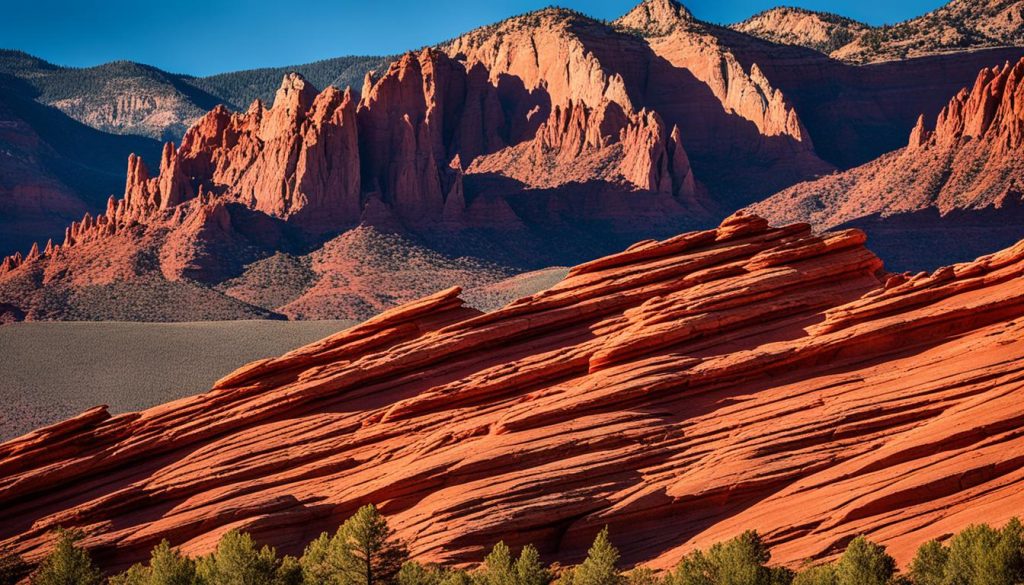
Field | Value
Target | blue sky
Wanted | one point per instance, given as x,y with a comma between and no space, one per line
208,36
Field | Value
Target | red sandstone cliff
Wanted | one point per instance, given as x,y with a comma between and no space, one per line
744,377
242,185
541,140
659,58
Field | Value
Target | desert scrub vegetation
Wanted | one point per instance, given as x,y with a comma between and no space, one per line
365,551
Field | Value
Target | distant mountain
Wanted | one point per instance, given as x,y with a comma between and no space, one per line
120,97
123,97
52,168
238,89
67,132
959,25
821,31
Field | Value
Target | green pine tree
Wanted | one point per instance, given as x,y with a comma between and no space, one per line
740,561
413,573
237,561
528,569
982,555
817,575
642,576
693,569
167,566
364,551
68,564
497,567
929,564
289,572
456,577
600,566
319,561
864,563
137,574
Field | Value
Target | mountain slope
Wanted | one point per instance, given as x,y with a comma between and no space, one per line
238,89
119,97
961,174
123,97
53,169
957,26
738,378
821,31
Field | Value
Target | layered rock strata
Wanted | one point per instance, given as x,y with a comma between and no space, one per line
744,377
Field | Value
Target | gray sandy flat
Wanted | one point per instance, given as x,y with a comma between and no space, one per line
50,371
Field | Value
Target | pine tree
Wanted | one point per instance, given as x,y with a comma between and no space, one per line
167,566
67,564
497,567
740,561
693,569
817,575
137,574
929,564
864,563
982,555
456,577
413,573
642,576
289,572
528,570
237,561
363,551
600,566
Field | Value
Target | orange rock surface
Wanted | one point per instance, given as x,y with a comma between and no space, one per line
684,390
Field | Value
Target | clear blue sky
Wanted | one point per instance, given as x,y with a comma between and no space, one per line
211,36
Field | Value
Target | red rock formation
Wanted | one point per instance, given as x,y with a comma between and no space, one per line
690,44
992,110
969,162
573,128
655,160
738,378
298,160
538,125
659,58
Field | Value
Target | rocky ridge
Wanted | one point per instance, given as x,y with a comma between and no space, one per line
965,162
744,377
821,31
957,26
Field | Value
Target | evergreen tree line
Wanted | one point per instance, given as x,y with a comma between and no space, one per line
365,551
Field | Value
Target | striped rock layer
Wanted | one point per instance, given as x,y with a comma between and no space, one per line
744,377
